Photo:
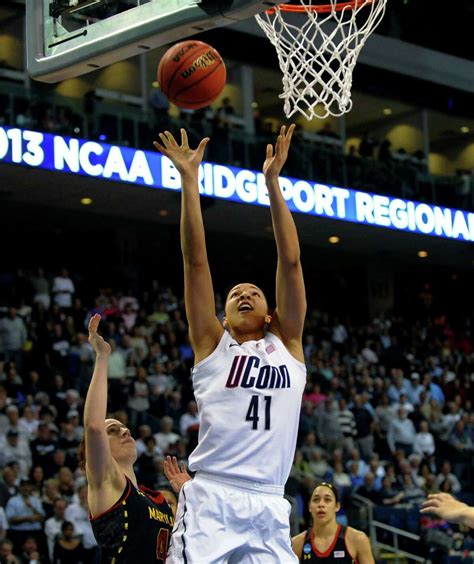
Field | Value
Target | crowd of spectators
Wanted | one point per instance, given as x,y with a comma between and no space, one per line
387,411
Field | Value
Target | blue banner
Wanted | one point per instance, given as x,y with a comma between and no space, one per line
148,168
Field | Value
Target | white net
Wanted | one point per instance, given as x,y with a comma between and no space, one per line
317,51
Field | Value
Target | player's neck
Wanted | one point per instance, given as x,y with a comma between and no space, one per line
242,337
127,469
325,530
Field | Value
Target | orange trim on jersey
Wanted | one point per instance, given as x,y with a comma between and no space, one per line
331,546
354,560
123,497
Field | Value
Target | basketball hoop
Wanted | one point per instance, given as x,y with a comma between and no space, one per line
317,56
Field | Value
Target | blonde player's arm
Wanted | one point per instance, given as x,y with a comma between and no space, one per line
205,330
288,318
101,468
297,543
447,507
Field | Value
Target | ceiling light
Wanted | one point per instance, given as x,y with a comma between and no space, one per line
465,129
86,201
254,105
387,111
155,84
334,239
422,254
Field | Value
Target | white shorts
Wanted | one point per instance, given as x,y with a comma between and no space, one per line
221,520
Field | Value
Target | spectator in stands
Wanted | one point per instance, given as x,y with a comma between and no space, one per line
160,105
41,289
328,131
6,552
189,421
63,289
78,514
348,426
364,425
368,489
329,428
401,433
52,526
424,441
42,449
18,451
139,398
68,548
446,474
385,156
166,438
12,336
367,145
25,515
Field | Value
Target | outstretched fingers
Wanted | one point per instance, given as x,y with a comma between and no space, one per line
289,134
171,139
94,323
202,146
160,148
184,138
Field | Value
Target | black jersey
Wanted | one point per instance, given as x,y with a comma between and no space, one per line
337,551
136,529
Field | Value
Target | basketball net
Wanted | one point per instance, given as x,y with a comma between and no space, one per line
317,56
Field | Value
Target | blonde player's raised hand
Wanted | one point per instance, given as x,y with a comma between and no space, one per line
276,159
445,506
176,476
185,159
96,341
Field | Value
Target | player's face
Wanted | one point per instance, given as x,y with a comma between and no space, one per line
323,506
246,308
122,444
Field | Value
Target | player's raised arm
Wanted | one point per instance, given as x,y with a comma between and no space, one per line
100,466
205,329
288,319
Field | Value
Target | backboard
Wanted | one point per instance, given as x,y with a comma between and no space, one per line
68,38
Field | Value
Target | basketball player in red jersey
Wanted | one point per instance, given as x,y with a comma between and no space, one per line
130,524
248,379
327,541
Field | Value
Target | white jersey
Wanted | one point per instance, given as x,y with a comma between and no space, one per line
249,400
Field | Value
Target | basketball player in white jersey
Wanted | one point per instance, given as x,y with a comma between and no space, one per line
248,381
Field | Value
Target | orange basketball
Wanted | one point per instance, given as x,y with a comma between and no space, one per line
191,74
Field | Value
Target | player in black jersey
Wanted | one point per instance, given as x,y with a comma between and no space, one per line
325,539
130,524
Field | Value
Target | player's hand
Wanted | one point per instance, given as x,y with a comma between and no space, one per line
185,159
276,159
97,342
445,506
177,476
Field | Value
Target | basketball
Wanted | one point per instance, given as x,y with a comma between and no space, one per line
191,74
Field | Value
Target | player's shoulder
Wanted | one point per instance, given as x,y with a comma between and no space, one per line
297,543
356,537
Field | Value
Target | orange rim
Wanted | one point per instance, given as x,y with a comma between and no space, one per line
324,8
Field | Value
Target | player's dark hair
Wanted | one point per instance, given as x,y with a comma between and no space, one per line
332,487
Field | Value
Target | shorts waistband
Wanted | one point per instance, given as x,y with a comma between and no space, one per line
242,484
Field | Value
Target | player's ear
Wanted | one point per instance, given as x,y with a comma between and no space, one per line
268,319
225,323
